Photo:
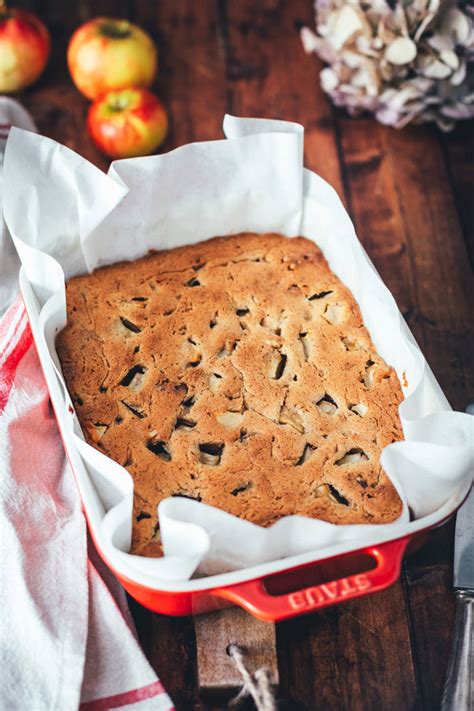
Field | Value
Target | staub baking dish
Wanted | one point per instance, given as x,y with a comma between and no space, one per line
312,565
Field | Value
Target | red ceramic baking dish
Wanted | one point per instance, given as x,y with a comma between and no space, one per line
276,590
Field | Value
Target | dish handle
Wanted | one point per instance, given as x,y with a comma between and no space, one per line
253,596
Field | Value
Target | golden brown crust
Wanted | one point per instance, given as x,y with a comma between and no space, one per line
238,372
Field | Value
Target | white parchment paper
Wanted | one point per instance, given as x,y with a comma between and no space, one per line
67,217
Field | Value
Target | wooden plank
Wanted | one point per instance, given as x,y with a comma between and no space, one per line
215,631
354,656
458,149
438,259
374,206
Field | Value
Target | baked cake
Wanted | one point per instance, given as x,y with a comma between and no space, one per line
236,372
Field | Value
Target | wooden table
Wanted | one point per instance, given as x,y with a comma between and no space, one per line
410,194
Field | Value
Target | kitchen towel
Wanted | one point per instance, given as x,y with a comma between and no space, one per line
67,639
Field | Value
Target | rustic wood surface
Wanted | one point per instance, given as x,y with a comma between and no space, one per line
410,195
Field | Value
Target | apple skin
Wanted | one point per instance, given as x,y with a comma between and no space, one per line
106,54
127,123
24,49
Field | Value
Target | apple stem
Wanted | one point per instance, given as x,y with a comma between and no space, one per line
115,29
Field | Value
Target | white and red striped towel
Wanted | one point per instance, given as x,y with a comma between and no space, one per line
67,640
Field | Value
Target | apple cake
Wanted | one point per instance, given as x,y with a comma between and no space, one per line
236,372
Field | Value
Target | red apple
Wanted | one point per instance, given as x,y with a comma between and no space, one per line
127,123
24,49
107,54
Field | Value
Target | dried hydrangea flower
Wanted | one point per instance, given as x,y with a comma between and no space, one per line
405,60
